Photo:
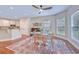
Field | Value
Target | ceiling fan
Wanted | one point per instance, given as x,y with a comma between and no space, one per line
41,8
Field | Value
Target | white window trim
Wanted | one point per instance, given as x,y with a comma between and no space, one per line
75,42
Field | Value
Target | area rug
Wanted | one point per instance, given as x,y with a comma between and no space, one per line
27,47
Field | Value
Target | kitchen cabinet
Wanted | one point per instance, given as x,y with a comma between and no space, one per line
4,23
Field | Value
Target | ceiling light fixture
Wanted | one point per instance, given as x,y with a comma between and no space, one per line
42,7
40,11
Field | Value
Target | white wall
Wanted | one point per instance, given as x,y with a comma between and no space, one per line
25,26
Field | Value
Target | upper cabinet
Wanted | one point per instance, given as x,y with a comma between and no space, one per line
12,22
4,22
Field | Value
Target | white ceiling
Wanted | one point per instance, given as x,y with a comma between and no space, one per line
16,11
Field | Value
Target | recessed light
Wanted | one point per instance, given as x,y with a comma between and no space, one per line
11,7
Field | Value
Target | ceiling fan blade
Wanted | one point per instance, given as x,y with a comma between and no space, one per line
47,8
35,6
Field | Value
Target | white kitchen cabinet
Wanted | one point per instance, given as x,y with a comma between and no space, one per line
4,22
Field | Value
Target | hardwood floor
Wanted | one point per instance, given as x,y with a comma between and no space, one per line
6,51
4,44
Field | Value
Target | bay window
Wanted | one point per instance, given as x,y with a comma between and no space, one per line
60,25
75,26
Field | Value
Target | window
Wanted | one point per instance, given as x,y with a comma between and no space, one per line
60,24
75,26
46,27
